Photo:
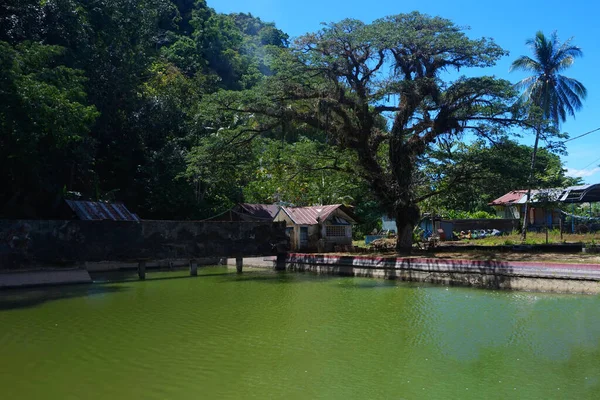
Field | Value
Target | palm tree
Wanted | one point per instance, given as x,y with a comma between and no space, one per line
554,94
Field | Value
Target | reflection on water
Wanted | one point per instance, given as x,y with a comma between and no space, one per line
281,335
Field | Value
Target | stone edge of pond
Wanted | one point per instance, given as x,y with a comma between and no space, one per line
46,277
514,275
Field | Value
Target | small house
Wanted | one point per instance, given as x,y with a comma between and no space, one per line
542,210
317,228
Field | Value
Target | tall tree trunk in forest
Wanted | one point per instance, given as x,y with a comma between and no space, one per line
529,184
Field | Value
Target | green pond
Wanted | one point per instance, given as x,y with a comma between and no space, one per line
270,335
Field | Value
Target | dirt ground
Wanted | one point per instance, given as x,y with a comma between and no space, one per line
451,250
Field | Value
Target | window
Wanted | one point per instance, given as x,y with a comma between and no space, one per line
335,230
303,233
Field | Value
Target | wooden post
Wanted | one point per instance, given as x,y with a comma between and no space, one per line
560,220
280,263
239,263
193,268
142,270
546,223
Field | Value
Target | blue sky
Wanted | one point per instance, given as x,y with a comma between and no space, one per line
509,23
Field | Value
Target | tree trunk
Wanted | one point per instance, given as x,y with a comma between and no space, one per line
529,184
404,240
406,219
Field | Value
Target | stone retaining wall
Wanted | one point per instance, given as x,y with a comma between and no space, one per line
564,278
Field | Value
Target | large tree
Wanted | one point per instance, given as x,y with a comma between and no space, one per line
546,90
347,77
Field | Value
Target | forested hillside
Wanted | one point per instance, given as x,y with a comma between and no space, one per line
137,100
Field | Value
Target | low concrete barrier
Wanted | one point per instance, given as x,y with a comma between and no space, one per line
564,278
45,277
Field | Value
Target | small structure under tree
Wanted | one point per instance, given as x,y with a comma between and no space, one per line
317,228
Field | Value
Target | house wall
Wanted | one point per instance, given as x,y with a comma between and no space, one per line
540,217
331,241
295,233
508,212
537,216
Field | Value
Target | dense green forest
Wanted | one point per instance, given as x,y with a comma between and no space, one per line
181,112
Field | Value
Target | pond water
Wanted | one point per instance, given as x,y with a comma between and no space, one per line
265,334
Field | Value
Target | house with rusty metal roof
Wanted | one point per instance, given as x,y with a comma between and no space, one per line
319,228
543,210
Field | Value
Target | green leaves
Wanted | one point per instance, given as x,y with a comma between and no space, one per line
44,121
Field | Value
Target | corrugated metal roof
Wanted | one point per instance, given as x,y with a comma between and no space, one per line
262,211
95,210
509,198
581,194
310,215
542,196
570,194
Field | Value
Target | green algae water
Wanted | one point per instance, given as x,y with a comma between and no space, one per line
271,335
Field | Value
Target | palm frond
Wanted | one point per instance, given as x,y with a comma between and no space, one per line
525,63
573,84
566,100
564,63
526,83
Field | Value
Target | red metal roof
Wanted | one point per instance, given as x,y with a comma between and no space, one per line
95,210
512,197
309,215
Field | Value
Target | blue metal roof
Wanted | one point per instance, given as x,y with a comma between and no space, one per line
95,210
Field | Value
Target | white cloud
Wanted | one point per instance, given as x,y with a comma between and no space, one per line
582,173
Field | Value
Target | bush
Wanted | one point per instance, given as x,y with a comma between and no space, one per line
453,214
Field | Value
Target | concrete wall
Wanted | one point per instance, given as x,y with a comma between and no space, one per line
533,276
14,279
39,242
